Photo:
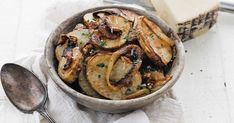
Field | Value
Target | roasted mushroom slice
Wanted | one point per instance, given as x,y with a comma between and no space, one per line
132,51
96,71
109,32
92,20
121,68
155,45
113,32
155,79
68,67
130,16
59,50
80,36
61,45
85,85
96,74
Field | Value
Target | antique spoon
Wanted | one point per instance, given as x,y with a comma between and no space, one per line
24,90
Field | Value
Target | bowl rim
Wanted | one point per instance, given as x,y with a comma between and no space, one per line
178,68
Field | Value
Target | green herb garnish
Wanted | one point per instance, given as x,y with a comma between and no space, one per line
86,34
83,33
151,35
125,21
135,61
126,38
102,43
100,65
159,36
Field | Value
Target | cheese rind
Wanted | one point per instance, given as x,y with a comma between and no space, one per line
189,18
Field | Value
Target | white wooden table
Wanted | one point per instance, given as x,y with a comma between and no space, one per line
205,89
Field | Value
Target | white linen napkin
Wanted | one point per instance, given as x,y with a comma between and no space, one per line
65,110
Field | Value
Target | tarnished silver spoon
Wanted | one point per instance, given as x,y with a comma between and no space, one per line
24,90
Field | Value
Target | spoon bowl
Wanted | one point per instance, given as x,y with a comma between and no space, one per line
24,89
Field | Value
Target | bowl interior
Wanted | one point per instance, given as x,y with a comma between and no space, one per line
68,26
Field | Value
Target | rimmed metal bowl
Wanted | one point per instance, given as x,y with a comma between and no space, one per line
104,105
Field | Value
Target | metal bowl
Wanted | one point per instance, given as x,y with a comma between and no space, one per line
104,105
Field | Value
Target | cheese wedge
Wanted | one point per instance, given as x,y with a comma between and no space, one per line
189,18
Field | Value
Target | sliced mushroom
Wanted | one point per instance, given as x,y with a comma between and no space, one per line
135,56
109,32
96,74
131,16
92,20
155,47
138,93
80,36
117,23
85,85
133,91
69,74
121,68
136,81
59,50
79,26
156,29
61,45
156,79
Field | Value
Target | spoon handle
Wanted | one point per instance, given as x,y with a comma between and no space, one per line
46,115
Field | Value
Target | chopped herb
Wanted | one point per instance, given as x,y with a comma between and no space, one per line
151,35
83,33
125,21
143,70
135,61
126,38
102,43
81,42
100,65
159,36
99,76
86,34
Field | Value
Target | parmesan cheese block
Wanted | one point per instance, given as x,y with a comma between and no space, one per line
189,18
